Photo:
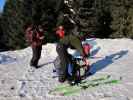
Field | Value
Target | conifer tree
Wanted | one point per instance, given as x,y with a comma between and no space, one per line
12,24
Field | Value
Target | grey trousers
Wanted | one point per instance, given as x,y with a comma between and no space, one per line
64,58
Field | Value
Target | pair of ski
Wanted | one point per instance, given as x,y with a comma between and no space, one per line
68,90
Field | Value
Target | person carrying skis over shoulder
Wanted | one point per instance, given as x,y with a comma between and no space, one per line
35,36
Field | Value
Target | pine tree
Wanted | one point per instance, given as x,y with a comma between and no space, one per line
12,24
43,12
1,35
107,18
121,12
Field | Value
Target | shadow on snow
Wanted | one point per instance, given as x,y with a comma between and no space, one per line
99,65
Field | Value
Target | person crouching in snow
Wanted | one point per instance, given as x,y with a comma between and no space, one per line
35,36
66,41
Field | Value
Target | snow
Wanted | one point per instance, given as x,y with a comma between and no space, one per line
18,81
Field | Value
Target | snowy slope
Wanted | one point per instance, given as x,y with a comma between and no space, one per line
108,57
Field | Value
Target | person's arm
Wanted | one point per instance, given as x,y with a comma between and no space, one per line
76,43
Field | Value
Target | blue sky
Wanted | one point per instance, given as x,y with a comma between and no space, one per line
2,2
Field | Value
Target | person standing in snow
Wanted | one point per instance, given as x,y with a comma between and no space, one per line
35,36
66,41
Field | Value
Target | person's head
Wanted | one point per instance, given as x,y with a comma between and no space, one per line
40,28
61,27
28,26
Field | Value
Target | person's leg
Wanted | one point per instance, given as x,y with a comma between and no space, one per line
36,56
40,50
33,59
63,62
75,77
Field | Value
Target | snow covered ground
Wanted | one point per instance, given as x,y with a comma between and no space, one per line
108,57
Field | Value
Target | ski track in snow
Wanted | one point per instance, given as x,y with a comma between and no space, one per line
18,81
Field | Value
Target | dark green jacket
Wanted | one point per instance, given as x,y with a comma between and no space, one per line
73,41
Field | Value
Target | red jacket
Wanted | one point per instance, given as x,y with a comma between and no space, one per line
34,37
38,39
